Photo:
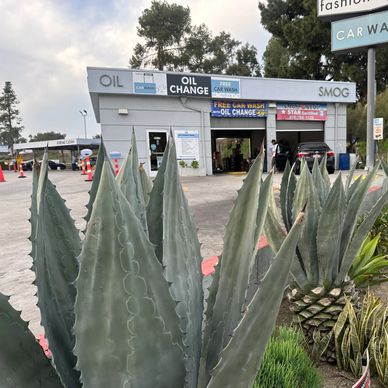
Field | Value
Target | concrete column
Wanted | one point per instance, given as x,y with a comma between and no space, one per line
270,132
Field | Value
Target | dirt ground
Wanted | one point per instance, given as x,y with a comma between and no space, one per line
210,198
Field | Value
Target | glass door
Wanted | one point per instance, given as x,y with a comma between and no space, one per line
157,141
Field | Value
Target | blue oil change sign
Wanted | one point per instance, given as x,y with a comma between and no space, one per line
253,109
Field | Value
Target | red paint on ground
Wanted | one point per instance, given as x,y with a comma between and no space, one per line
374,188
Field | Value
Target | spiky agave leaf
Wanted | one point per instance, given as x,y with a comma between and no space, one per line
96,180
34,209
127,330
182,261
146,184
235,263
321,184
56,267
287,190
129,182
22,361
246,347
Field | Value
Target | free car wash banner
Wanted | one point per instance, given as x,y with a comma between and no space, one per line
242,109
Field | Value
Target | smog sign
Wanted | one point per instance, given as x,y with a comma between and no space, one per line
378,128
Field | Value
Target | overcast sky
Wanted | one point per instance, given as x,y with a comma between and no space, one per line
46,45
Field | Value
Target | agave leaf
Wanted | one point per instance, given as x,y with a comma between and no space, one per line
349,179
127,331
305,192
358,237
324,173
266,188
56,267
146,184
34,210
287,189
96,180
155,208
22,361
384,165
320,183
245,349
182,263
352,211
129,182
329,228
235,263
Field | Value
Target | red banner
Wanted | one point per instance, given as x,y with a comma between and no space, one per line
303,112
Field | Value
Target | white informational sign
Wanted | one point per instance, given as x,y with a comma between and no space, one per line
333,8
378,128
86,152
146,82
187,144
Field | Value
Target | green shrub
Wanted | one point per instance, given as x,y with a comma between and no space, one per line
381,226
286,363
194,164
182,163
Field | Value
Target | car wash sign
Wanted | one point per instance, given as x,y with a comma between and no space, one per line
246,109
364,31
301,112
188,85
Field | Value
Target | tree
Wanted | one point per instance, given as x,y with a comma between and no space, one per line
173,44
162,26
10,122
305,42
42,136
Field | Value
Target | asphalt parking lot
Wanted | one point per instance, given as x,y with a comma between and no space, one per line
210,198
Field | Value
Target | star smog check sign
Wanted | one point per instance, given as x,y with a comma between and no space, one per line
363,31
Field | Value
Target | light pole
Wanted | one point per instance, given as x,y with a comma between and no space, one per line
84,113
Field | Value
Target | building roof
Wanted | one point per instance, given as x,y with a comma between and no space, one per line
58,144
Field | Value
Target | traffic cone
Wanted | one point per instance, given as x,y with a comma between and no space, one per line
89,167
21,173
1,175
83,167
116,166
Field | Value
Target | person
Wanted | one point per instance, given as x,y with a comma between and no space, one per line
274,151
74,163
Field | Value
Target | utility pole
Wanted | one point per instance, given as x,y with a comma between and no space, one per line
371,100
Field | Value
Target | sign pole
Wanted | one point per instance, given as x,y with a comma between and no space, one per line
371,95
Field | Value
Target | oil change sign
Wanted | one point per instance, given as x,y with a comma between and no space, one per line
363,31
253,109
188,85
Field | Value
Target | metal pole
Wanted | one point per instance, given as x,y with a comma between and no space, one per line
370,143
85,125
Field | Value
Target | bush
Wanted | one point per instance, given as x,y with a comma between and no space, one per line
286,364
182,163
194,164
381,226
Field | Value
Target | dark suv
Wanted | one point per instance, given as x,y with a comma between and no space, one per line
310,151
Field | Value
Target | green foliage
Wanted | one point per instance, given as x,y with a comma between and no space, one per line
194,164
303,42
369,268
332,235
41,136
182,163
10,122
380,227
358,330
286,364
173,43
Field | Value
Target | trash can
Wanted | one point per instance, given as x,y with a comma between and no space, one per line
344,161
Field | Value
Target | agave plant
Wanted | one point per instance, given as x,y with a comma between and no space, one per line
332,235
126,309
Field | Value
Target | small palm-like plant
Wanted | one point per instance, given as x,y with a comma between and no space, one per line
125,307
332,235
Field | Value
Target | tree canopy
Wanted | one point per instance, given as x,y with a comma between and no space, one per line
41,136
172,43
10,121
300,47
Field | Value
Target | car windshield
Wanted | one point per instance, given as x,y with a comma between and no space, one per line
314,147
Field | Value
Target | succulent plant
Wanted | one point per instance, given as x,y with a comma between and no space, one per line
126,310
331,237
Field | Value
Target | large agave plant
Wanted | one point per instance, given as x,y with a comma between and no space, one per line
338,217
126,310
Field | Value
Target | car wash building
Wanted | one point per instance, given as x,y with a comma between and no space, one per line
218,121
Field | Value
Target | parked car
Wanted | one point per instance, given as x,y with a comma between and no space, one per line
310,151
55,165
27,165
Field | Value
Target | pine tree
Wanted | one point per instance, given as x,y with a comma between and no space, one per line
10,122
